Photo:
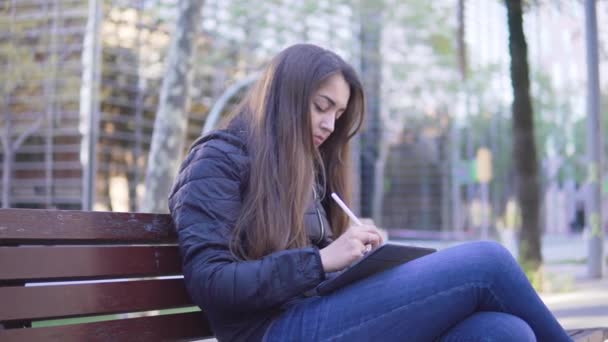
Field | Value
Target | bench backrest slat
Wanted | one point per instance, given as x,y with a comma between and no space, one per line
43,263
26,226
71,264
47,302
175,327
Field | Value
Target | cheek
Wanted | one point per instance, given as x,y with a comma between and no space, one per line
314,121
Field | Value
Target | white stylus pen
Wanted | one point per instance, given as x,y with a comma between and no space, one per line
346,209
350,214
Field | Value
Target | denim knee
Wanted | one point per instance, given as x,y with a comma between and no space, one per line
493,253
490,327
493,249
486,261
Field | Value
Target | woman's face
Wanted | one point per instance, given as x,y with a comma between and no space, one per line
327,105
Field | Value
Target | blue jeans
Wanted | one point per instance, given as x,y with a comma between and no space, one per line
472,292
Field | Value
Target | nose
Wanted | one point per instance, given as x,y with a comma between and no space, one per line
328,124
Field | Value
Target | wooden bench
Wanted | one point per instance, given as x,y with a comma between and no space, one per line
132,259
589,335
80,265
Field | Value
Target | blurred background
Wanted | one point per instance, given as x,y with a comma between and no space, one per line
81,83
82,100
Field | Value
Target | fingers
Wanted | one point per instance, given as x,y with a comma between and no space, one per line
370,229
372,238
367,228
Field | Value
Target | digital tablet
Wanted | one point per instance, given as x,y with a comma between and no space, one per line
382,258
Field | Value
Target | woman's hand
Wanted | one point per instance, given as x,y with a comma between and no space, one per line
349,247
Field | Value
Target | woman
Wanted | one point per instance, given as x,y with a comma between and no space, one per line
258,231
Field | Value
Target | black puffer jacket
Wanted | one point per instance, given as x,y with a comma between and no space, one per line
240,297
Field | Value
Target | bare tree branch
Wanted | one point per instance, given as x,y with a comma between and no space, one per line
35,126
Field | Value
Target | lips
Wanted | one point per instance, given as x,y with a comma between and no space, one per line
318,140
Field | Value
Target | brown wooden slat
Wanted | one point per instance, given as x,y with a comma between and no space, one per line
65,114
42,173
59,301
45,263
28,226
57,148
185,326
57,165
589,335
30,200
31,182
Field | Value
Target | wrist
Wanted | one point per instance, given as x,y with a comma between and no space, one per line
325,260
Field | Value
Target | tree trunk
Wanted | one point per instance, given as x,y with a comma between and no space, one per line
524,148
172,117
371,32
7,156
454,139
460,35
6,173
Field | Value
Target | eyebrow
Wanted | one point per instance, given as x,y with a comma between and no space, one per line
332,102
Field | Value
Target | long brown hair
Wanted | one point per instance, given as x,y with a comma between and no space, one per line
284,163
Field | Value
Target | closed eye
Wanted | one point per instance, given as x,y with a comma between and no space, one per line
317,107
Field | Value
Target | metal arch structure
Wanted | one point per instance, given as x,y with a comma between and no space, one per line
220,104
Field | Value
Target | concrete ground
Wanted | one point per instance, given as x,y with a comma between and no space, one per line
583,303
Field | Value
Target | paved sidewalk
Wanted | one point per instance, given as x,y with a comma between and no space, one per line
583,302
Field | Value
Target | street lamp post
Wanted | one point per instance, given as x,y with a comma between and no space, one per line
594,146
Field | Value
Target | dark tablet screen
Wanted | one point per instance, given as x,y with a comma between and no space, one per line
382,258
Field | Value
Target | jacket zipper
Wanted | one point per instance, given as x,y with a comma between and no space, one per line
314,191
322,225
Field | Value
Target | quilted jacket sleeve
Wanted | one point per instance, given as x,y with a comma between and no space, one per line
204,203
